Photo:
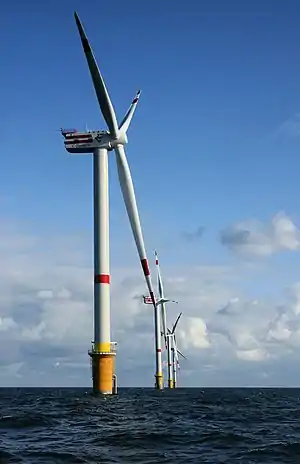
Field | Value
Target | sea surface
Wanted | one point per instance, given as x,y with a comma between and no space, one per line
59,426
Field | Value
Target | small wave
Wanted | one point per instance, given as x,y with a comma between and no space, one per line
222,437
277,450
48,457
25,421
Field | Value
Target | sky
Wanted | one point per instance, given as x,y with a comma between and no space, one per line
214,154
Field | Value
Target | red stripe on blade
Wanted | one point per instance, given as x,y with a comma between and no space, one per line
145,267
102,279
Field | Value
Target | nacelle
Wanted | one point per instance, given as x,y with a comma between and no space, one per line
87,142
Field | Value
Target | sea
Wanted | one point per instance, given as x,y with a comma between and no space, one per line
184,426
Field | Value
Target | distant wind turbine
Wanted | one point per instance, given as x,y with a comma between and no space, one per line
175,351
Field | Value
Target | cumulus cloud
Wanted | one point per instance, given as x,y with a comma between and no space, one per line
46,319
193,333
254,238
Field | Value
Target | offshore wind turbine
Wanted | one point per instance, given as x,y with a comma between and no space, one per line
99,143
161,301
175,351
168,339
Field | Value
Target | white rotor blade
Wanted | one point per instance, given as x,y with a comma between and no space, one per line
175,350
176,322
162,299
100,88
164,322
128,116
133,215
179,352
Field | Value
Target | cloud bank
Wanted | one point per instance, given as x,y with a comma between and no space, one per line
46,312
254,238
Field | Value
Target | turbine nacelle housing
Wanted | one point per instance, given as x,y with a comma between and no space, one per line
88,142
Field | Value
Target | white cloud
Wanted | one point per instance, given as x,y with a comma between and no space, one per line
193,333
252,355
46,319
7,323
254,238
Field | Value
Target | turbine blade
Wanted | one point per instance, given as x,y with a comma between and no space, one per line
175,350
163,300
164,319
162,332
130,112
176,322
133,215
159,280
100,88
179,352
164,322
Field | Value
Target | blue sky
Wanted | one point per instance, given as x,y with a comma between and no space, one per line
214,141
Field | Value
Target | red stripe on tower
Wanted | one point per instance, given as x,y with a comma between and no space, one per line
158,350
144,263
102,279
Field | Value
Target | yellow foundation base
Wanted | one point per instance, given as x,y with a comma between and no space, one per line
159,382
103,371
170,384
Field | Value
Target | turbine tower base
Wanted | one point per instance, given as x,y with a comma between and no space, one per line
174,384
159,382
103,371
170,383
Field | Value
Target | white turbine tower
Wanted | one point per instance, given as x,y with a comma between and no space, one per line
161,301
175,351
100,143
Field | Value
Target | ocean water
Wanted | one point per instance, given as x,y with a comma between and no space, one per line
58,426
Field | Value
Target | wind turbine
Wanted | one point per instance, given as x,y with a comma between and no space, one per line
175,351
100,143
161,301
